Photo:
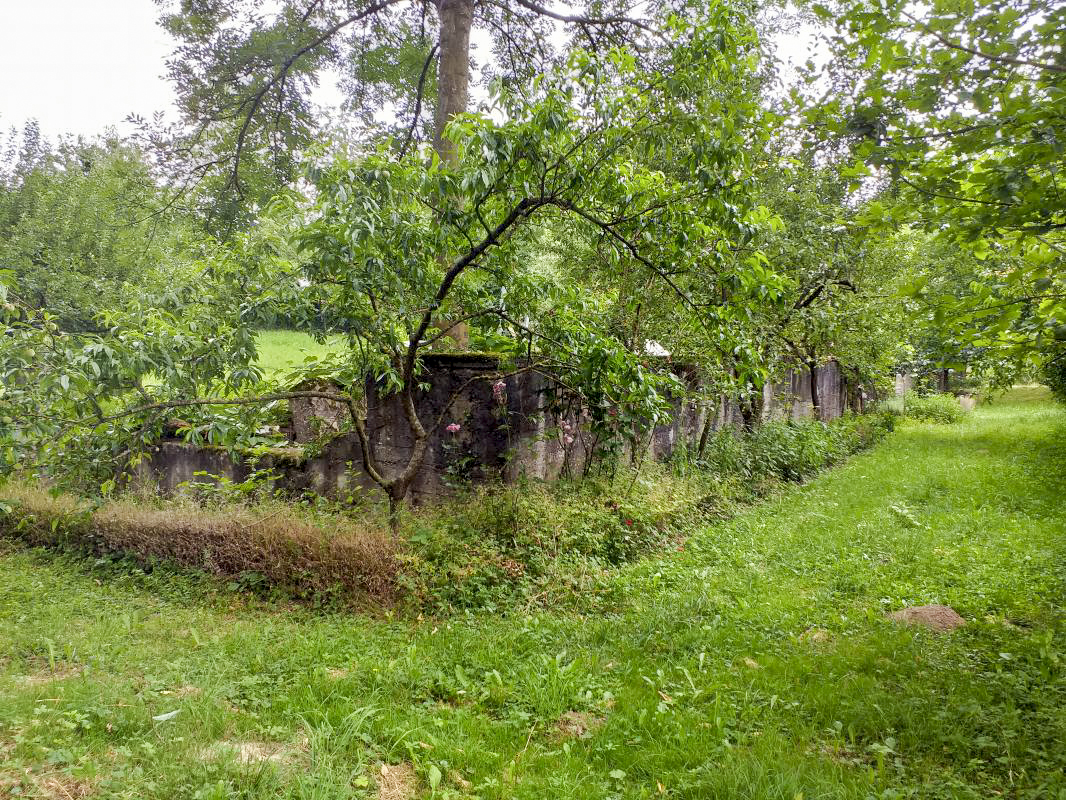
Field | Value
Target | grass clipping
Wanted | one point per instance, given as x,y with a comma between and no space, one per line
286,550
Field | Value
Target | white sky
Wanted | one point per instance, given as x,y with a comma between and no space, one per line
81,66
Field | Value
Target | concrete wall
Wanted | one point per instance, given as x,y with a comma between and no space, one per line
529,427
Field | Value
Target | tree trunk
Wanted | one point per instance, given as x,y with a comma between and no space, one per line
453,70
751,406
816,404
708,427
453,95
453,80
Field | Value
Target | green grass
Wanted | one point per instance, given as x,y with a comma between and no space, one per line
753,663
282,351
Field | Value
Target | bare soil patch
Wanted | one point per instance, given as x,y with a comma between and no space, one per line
256,752
578,724
48,674
397,782
937,618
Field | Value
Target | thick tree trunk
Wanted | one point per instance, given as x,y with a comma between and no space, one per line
453,95
456,18
453,71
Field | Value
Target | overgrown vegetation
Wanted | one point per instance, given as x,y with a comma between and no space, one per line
755,662
276,547
934,407
538,545
646,213
635,189
495,547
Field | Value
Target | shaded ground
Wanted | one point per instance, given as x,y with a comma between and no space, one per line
755,663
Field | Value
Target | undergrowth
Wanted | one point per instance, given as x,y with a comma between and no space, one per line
489,547
756,663
942,408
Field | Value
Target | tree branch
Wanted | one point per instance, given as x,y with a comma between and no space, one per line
577,19
954,197
418,101
1019,62
257,99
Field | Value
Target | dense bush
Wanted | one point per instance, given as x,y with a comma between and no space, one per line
792,451
1053,374
943,408
532,539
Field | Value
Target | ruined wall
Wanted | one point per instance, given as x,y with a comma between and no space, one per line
478,430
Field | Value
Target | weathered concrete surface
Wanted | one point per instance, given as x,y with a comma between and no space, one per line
316,418
482,424
904,383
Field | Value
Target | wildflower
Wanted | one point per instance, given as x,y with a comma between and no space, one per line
629,522
453,428
568,439
498,389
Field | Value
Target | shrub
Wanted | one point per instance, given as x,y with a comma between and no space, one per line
1053,374
494,543
943,408
489,547
792,450
275,547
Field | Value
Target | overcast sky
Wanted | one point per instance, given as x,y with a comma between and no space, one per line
80,66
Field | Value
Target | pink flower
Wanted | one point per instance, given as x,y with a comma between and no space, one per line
453,428
568,439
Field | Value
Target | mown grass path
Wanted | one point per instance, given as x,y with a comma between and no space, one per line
755,663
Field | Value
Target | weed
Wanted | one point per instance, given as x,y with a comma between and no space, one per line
844,703
943,408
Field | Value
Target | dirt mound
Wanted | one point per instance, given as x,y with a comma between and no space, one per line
939,619
578,724
397,782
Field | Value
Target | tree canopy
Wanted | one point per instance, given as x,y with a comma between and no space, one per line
960,111
626,182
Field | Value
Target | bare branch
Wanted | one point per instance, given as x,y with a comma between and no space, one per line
577,19
253,104
418,101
